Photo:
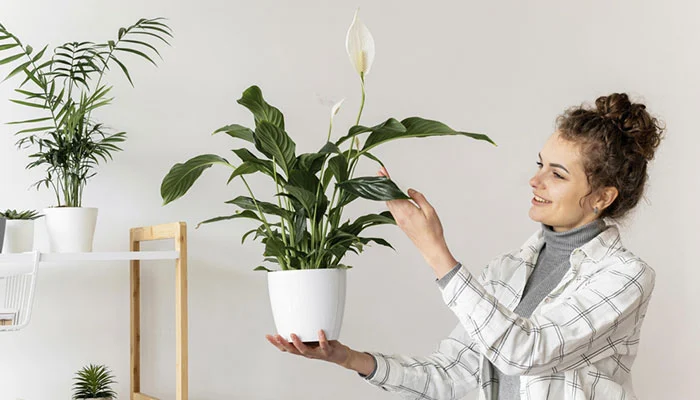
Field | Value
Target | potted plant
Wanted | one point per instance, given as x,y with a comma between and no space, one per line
19,231
65,87
93,382
303,233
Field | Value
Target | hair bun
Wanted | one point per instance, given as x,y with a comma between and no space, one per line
632,120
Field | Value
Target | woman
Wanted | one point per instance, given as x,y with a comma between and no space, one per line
560,317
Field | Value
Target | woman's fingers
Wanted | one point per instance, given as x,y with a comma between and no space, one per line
323,343
288,347
272,340
302,348
324,351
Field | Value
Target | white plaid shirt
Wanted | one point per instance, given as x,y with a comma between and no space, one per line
579,343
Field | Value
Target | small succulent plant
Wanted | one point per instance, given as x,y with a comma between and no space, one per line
93,382
14,214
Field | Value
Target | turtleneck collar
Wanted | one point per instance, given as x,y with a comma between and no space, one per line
572,239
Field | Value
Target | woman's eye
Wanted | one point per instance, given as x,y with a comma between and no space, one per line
539,164
558,176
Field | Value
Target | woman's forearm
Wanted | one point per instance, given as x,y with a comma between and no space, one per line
359,362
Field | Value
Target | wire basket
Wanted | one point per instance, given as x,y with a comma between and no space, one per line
17,291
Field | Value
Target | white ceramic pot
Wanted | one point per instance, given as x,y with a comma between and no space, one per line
19,236
71,229
305,301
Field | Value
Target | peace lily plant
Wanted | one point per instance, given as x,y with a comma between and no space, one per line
302,232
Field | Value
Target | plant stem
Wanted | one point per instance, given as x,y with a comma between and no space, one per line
252,196
362,104
282,225
352,167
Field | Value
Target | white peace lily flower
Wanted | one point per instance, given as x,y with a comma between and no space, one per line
336,108
360,46
334,111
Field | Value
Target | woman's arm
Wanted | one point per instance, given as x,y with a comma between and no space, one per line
449,373
594,322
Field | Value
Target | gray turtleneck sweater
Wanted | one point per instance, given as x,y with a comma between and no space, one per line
551,266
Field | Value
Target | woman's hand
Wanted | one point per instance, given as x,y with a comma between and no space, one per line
331,351
422,225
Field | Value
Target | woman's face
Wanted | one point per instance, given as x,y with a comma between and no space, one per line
559,185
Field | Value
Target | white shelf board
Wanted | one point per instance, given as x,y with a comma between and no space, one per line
12,264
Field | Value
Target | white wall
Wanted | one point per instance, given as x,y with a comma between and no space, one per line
503,68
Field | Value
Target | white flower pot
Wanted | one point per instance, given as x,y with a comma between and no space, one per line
19,236
305,301
71,229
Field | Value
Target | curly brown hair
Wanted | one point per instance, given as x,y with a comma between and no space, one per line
617,139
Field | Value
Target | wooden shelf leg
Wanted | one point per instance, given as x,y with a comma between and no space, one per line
135,278
181,314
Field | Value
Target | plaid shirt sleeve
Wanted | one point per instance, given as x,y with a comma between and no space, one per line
449,373
592,322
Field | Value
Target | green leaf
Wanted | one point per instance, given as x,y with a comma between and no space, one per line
389,126
138,53
8,46
379,241
274,143
145,44
253,100
181,177
243,169
264,166
11,58
338,166
303,179
417,127
313,162
305,197
41,129
28,104
237,131
299,226
274,247
247,203
29,121
244,214
378,188
123,68
261,268
40,54
366,221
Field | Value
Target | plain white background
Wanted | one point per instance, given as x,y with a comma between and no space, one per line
502,68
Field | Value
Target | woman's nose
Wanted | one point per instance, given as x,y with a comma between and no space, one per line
535,181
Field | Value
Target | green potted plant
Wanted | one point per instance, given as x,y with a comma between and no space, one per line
303,233
94,382
64,87
19,231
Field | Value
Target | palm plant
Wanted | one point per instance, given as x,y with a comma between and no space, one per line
24,215
66,88
94,382
308,233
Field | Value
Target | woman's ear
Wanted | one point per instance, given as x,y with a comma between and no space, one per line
606,197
